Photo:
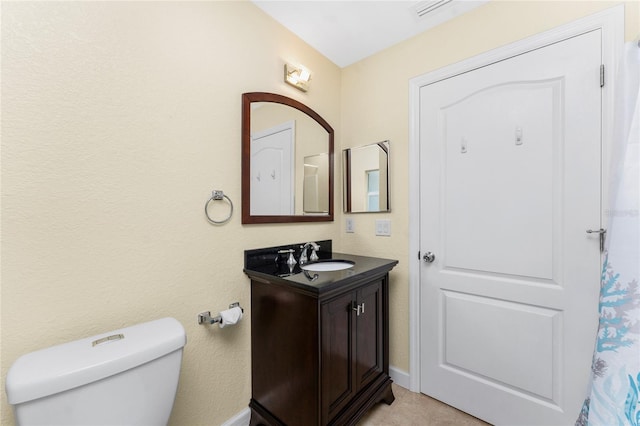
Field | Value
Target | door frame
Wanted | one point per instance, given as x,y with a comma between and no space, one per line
611,23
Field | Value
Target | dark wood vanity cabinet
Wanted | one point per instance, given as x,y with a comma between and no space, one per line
319,358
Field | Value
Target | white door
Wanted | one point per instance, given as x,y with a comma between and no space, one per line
272,165
510,159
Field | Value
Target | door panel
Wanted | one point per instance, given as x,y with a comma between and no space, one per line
369,335
510,159
514,121
338,327
526,348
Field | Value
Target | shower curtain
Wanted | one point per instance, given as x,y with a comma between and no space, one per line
615,372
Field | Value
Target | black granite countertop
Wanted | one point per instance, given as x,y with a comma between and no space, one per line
267,269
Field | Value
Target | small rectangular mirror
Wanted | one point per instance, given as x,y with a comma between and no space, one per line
365,178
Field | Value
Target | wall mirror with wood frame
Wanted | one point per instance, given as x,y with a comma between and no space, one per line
366,178
287,161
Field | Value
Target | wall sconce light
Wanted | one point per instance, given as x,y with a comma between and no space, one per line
298,77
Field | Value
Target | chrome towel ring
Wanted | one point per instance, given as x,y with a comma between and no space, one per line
215,196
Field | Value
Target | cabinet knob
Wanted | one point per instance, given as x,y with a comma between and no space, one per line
357,309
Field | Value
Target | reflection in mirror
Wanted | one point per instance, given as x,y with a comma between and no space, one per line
366,178
316,184
272,167
287,161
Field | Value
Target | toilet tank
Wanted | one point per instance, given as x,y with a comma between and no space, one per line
123,377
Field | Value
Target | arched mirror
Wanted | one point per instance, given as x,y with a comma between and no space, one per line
287,161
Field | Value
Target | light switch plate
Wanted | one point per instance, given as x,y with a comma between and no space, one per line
383,227
349,227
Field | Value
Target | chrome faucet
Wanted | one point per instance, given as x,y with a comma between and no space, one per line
303,254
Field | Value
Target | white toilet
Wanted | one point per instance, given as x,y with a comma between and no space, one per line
124,377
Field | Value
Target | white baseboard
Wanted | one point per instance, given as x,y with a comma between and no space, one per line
240,419
399,377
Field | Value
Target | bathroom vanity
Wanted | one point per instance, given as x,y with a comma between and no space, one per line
319,340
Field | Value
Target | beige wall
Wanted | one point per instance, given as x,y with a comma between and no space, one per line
375,103
118,119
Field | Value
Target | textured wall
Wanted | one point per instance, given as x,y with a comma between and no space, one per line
118,120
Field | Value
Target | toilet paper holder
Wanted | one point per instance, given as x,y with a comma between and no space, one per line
206,318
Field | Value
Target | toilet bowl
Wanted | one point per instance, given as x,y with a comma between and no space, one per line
123,377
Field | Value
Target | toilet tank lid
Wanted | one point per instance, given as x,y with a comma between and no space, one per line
69,365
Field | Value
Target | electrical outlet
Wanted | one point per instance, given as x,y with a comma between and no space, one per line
349,227
383,227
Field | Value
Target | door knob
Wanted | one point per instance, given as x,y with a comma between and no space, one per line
429,257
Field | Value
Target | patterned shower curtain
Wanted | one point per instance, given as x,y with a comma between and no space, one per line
615,377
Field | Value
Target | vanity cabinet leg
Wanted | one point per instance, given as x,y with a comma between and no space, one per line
257,419
388,396
261,417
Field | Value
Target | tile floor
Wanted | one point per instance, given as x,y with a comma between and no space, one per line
415,409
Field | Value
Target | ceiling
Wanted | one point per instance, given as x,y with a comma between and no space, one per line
348,31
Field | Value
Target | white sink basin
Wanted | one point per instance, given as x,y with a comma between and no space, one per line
327,265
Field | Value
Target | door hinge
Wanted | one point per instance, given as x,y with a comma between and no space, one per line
602,75
418,254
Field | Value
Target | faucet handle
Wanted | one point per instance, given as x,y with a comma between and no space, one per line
314,254
291,260
303,254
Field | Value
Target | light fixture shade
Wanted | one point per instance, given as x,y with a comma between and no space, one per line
298,77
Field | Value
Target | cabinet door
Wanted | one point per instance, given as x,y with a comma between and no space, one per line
338,379
369,334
